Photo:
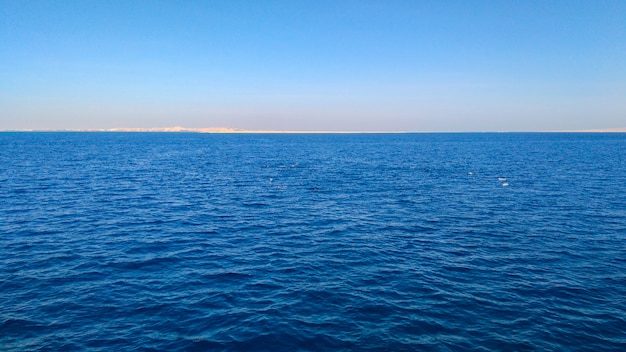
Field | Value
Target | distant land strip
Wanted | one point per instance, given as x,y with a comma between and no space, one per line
183,129
197,130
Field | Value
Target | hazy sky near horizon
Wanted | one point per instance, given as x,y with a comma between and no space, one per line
314,65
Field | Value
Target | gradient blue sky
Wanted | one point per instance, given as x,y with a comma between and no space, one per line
314,65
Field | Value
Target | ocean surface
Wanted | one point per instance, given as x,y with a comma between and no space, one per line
319,242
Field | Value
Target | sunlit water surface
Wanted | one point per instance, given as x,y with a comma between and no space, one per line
417,242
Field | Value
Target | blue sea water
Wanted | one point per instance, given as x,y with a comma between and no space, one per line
368,242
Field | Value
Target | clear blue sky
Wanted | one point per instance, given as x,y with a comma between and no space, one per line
314,65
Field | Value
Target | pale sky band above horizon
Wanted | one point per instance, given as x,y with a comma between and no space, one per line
314,65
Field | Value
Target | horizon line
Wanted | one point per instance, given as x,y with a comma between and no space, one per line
227,130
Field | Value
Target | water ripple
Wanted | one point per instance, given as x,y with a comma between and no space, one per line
312,242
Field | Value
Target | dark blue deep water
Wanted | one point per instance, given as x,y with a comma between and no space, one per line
365,242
